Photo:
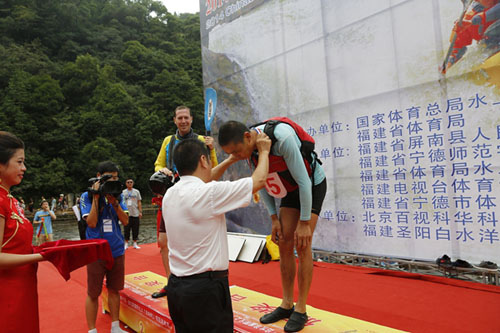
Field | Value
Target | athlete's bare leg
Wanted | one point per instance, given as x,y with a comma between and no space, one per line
289,218
163,242
305,271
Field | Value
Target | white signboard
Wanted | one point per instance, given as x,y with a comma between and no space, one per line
411,148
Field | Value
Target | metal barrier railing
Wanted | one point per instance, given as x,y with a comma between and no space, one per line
476,274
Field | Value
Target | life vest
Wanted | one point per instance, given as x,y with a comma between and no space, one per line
169,149
277,164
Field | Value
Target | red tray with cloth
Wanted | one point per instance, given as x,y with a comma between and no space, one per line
67,255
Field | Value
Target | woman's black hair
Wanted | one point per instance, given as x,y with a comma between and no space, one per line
9,143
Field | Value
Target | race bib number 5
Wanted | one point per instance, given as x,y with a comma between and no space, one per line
274,186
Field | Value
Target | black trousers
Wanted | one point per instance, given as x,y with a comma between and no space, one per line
82,229
133,223
200,304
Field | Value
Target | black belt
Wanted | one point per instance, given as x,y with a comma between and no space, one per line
206,275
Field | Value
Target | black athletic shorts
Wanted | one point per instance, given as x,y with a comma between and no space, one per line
318,195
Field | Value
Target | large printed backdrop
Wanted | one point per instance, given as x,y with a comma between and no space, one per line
411,154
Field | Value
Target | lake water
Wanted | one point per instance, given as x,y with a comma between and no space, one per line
66,227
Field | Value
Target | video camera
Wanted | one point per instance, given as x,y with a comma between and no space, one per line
159,182
106,186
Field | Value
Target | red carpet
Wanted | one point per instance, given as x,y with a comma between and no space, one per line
410,302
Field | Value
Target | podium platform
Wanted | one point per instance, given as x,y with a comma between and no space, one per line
138,310
144,314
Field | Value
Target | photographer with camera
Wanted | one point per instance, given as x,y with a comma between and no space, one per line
102,208
165,164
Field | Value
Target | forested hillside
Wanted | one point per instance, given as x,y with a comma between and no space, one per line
83,81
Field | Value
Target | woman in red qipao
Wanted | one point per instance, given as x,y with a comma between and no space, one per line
18,264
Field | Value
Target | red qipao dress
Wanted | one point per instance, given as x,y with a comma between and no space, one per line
18,285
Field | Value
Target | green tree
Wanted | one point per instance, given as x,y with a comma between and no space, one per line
82,82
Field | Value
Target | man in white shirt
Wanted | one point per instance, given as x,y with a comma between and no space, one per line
198,289
133,200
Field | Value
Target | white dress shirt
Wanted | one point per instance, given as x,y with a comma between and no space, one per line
193,213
